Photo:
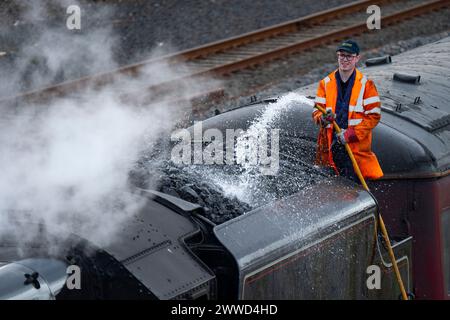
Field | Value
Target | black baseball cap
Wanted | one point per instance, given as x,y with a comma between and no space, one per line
349,46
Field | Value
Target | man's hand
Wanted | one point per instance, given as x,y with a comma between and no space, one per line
347,135
327,118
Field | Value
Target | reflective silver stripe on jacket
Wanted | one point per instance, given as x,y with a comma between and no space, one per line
359,102
374,110
371,100
320,100
354,122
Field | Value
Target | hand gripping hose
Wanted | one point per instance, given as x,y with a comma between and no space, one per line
381,222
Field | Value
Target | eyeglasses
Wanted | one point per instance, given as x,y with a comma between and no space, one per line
346,57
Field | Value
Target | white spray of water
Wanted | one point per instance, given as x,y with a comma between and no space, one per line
245,187
247,146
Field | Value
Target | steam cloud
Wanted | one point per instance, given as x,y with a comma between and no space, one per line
66,163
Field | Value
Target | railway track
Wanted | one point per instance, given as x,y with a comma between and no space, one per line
248,50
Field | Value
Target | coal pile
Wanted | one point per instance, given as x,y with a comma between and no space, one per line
226,191
182,182
215,187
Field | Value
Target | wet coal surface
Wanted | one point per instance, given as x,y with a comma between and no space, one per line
226,191
181,182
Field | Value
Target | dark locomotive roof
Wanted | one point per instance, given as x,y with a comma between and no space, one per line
278,225
154,251
150,247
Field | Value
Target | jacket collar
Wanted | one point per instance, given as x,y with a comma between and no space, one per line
358,75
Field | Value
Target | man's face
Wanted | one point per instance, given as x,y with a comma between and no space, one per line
347,61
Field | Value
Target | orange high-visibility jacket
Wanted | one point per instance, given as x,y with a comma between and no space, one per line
364,113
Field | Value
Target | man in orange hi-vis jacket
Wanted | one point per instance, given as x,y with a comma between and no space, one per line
352,101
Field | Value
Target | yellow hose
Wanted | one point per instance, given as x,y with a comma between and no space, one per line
383,227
